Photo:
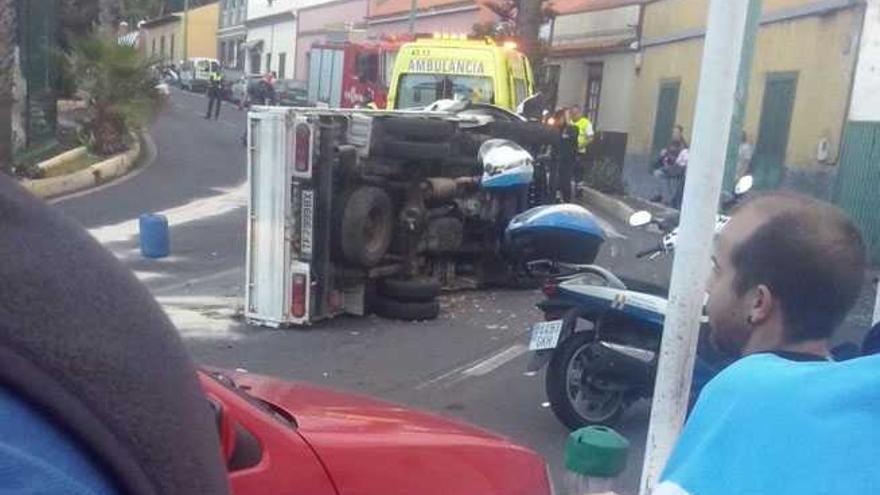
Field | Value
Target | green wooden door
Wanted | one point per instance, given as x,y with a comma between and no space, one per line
667,107
857,178
768,163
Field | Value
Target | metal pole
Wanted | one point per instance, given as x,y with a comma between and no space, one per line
413,8
726,31
742,96
185,30
876,318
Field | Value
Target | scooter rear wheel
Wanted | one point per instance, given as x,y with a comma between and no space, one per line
579,400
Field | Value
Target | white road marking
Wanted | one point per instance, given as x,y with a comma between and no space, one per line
198,280
480,367
144,276
494,362
203,317
228,200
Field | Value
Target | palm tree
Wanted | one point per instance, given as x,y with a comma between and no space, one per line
120,86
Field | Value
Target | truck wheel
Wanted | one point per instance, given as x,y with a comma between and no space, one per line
420,289
409,311
576,397
366,226
418,129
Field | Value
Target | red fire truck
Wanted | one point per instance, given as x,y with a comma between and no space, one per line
349,74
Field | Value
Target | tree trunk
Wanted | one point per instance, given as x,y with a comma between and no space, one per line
528,25
8,42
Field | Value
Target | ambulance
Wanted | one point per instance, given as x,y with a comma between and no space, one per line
455,67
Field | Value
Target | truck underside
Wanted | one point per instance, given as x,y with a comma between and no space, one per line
356,210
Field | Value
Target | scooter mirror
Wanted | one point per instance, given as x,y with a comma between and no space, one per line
640,218
743,185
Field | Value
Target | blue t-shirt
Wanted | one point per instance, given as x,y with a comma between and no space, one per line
37,458
770,425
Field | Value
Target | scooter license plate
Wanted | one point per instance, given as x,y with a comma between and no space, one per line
545,335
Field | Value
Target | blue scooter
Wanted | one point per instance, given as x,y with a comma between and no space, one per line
601,336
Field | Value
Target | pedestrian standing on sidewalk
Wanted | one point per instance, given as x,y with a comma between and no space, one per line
784,419
744,156
584,135
215,93
670,167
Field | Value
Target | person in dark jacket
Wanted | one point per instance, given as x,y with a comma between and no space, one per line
215,93
97,392
566,155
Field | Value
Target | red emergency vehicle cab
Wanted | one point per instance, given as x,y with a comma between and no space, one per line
351,75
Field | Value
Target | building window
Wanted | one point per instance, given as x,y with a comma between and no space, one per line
255,63
230,53
154,47
594,91
549,84
282,62
171,50
162,46
269,62
223,53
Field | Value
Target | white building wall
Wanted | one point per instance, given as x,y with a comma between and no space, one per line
274,23
865,100
618,79
595,26
278,38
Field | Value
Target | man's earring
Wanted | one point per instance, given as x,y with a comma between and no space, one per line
750,320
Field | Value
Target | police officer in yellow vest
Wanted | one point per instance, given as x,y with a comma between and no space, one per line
215,91
584,136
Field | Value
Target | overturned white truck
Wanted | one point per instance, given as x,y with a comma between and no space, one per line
356,211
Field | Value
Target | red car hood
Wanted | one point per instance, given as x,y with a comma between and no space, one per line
371,446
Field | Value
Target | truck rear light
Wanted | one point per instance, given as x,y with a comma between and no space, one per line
550,289
298,298
302,148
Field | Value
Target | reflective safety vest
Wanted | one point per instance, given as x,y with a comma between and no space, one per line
215,80
585,133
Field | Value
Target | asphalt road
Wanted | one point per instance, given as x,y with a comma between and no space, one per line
470,363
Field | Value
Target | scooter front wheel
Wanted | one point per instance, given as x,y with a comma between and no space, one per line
577,396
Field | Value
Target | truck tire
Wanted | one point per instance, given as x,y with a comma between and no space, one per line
420,289
416,151
418,129
367,226
409,311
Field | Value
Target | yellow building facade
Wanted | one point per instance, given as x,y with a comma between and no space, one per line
163,37
805,48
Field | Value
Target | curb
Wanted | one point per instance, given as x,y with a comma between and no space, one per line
619,209
63,158
93,176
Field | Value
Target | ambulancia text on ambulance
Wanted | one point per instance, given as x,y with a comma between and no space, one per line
455,67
